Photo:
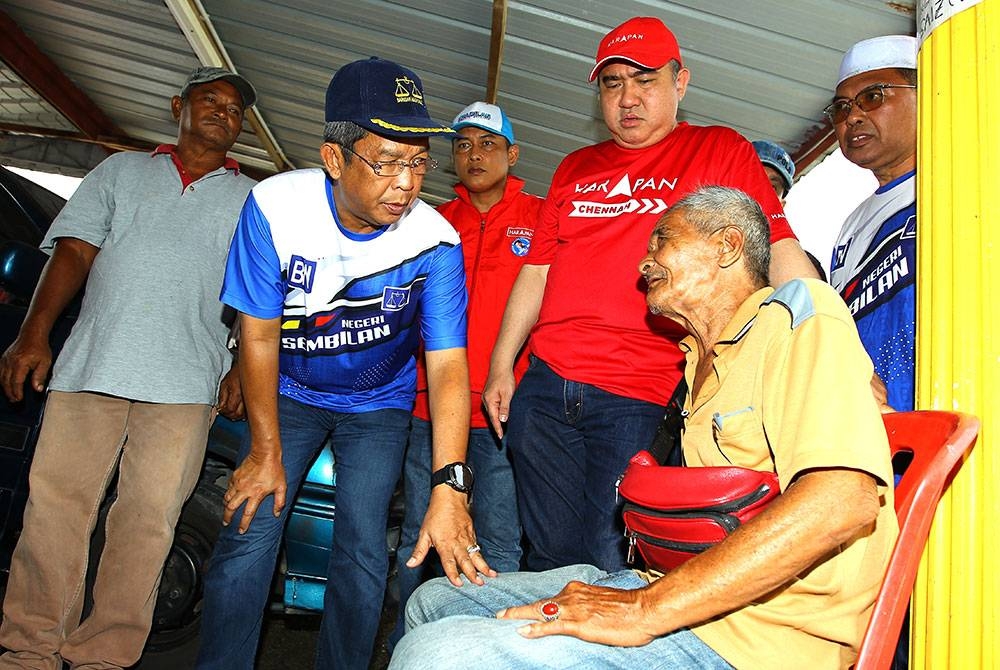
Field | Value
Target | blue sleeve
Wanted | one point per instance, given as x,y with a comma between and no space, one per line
444,301
253,283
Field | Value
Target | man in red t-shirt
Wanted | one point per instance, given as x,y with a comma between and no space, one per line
586,404
495,219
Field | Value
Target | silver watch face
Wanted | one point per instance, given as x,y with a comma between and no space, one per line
458,480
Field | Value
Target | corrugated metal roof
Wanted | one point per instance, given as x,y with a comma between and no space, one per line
19,104
763,67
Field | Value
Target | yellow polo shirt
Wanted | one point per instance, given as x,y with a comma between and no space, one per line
790,392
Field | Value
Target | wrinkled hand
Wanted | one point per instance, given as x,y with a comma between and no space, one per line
497,392
255,479
230,403
448,528
598,614
25,355
881,394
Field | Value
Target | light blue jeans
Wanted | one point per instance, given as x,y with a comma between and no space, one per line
494,507
451,627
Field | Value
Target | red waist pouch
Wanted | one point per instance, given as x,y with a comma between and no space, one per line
674,513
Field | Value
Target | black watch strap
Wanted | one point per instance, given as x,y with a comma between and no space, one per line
457,475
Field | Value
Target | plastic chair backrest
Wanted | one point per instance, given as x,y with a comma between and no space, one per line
938,443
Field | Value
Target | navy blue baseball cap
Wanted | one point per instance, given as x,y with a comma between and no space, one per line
382,97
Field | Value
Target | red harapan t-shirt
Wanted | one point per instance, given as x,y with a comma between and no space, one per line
603,203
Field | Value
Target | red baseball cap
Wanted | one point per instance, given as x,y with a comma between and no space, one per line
643,41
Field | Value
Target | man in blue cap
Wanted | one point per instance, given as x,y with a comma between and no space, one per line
778,166
780,170
338,274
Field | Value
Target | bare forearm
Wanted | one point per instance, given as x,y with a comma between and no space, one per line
789,261
65,273
801,527
259,378
448,389
520,315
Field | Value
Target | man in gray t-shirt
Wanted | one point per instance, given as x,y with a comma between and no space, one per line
136,386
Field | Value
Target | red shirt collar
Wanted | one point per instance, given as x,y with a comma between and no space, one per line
171,149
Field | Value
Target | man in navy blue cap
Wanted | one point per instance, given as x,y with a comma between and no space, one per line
338,274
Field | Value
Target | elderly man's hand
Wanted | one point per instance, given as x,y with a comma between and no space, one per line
598,614
497,392
24,355
256,478
448,528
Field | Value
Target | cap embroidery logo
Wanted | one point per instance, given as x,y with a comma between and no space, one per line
474,114
624,38
407,91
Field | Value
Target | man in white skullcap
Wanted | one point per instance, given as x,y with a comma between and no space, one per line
874,113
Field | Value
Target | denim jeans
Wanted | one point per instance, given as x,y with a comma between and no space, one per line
368,451
570,442
451,627
494,506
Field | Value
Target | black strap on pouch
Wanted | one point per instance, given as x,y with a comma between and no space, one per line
666,446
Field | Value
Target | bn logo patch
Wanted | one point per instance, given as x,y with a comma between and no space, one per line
301,273
909,229
395,299
840,255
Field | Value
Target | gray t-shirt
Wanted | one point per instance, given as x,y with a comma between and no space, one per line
150,326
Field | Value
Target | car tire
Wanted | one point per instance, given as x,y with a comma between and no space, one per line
177,616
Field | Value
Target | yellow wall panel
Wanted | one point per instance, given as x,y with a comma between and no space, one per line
958,320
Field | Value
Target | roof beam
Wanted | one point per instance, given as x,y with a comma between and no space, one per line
197,27
39,72
498,35
815,145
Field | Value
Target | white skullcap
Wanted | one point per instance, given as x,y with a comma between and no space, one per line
878,53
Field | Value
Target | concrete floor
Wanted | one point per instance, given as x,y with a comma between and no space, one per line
288,642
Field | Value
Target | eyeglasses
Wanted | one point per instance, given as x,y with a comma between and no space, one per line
867,100
395,168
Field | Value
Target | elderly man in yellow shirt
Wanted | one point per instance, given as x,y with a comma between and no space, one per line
780,383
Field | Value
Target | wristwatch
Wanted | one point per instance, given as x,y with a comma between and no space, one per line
457,475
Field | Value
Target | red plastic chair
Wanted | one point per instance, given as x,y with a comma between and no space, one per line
938,443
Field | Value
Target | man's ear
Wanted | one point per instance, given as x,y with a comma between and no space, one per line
175,107
513,153
683,78
333,159
730,246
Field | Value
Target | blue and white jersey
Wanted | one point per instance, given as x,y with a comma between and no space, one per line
353,307
874,269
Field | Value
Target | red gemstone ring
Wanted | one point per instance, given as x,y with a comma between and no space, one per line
550,611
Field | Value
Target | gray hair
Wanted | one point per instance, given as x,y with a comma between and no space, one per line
711,207
344,133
